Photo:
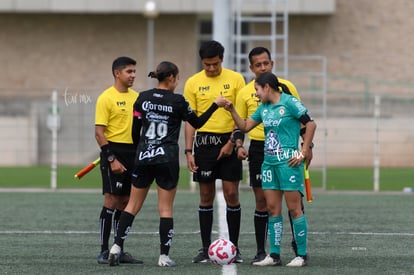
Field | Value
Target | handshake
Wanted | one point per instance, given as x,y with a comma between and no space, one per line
221,101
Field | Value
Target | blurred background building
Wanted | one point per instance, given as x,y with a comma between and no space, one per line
341,54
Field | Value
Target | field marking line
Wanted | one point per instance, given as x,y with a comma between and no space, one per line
230,269
80,232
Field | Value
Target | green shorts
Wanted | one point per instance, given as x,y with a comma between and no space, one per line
283,178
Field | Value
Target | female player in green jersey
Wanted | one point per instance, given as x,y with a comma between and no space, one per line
282,168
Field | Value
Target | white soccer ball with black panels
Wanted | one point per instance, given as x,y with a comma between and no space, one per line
222,252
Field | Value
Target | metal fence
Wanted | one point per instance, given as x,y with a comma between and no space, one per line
351,134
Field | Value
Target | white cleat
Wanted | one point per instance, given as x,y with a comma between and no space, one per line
269,261
164,260
297,262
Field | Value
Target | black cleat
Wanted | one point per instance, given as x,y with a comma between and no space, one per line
113,259
103,257
202,256
126,258
238,259
259,257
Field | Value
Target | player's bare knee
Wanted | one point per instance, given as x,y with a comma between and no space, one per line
295,213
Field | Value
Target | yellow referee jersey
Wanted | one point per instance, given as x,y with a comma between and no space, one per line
201,91
247,103
114,110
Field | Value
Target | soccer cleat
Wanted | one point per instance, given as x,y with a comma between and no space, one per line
103,257
259,257
238,259
202,256
164,260
114,255
270,260
298,261
127,258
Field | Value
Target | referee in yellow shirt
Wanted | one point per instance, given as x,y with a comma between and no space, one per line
113,133
214,156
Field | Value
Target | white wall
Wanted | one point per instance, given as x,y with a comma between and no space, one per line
18,141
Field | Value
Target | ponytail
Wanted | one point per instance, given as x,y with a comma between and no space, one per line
164,70
285,88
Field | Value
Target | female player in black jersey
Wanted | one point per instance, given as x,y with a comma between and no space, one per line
158,114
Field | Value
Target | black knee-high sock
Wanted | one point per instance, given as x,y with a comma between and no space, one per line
233,217
260,230
124,226
117,215
205,217
166,234
105,223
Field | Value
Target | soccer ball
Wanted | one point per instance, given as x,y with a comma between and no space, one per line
222,252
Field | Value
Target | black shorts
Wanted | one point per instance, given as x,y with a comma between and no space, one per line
118,184
256,156
165,174
206,150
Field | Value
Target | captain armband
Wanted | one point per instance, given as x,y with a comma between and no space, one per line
305,119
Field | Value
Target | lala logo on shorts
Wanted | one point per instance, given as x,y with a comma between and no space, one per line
151,153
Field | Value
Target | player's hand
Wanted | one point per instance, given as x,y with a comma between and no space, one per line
308,158
304,155
221,101
229,106
117,167
296,159
242,153
226,150
191,163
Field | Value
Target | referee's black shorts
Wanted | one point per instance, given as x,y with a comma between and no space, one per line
118,184
206,151
256,156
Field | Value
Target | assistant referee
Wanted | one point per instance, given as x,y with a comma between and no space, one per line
113,133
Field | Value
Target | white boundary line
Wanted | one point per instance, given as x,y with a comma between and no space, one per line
80,232
223,231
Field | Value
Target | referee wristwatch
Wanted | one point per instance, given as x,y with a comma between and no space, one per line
188,151
111,158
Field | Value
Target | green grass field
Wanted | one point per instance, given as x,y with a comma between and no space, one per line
349,233
391,179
